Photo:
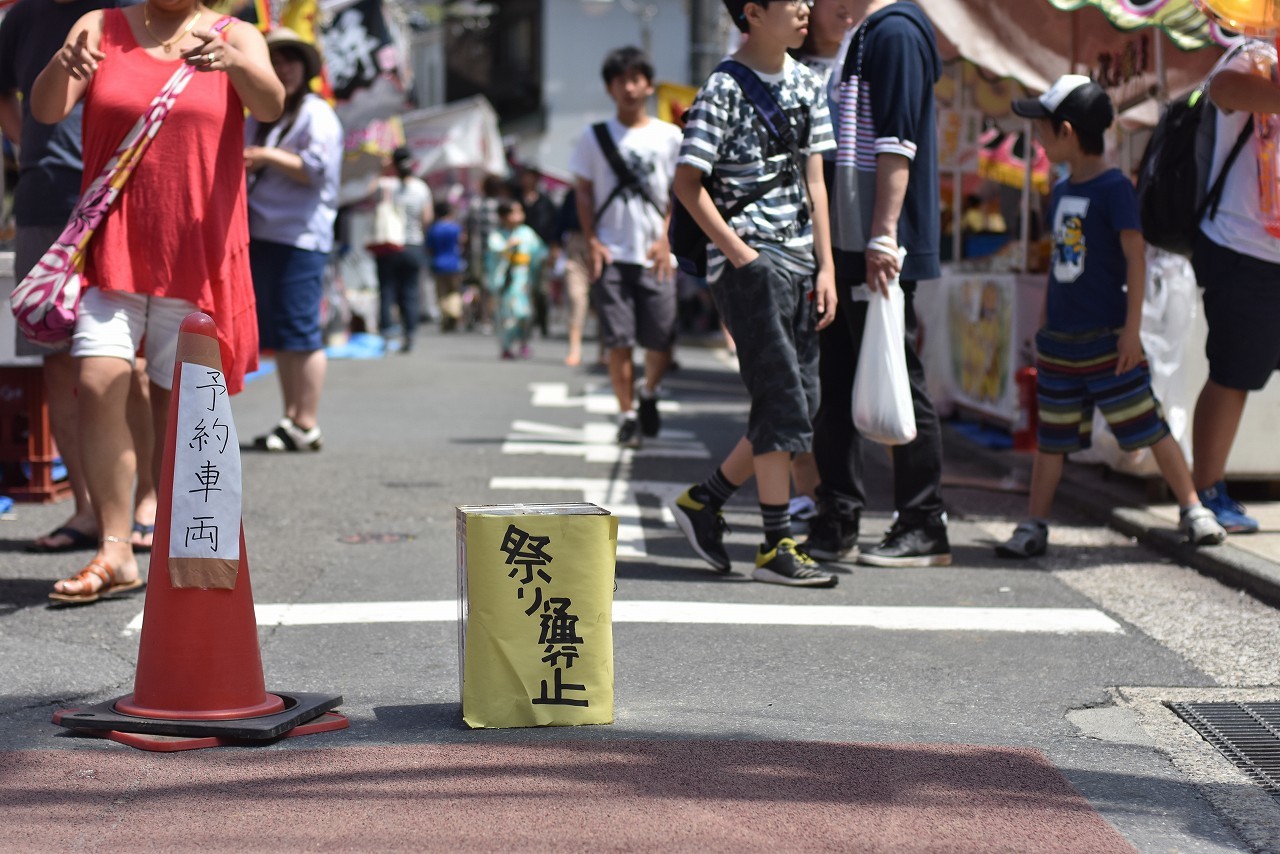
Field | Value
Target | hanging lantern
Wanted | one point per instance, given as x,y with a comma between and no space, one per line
1256,18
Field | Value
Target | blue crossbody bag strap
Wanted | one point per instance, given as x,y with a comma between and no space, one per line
762,99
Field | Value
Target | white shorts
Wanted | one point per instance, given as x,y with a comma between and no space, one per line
116,324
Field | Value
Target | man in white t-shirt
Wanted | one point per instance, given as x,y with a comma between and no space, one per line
624,220
1237,262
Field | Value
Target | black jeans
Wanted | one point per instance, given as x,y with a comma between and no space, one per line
398,277
837,446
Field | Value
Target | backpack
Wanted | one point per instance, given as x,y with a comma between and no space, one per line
687,239
626,179
1174,193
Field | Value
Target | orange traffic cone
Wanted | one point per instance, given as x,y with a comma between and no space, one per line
199,679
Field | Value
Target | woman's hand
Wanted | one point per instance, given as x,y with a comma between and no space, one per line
78,59
256,157
214,53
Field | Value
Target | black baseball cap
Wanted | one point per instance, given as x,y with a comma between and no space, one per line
1073,98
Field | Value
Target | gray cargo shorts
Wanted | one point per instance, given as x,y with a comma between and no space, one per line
634,308
769,311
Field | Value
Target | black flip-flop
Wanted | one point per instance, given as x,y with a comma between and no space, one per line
143,529
79,542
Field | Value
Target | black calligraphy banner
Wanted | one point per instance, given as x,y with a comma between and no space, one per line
353,45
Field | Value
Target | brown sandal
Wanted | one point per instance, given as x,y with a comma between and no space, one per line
109,588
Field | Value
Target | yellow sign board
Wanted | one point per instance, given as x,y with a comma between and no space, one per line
535,594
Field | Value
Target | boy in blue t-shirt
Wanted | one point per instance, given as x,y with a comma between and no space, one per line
1089,349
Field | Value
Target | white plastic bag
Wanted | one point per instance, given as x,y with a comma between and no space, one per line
882,407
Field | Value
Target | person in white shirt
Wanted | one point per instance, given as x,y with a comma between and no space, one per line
294,166
400,270
1237,262
624,221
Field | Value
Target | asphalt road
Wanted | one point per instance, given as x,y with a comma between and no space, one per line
409,437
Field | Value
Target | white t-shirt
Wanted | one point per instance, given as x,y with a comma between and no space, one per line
1238,223
630,225
412,196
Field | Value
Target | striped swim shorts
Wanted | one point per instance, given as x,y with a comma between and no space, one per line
1075,372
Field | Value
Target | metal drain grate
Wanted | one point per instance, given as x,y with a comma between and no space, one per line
1246,733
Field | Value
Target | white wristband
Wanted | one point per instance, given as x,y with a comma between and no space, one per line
883,244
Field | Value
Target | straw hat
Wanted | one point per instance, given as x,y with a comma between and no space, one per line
285,37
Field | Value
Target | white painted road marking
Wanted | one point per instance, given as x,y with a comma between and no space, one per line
890,618
616,496
597,442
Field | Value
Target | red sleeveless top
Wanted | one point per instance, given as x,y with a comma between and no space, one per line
180,228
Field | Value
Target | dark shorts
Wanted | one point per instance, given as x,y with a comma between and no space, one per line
1075,372
288,283
769,312
1242,310
634,308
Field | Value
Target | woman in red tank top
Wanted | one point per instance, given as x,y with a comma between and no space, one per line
175,241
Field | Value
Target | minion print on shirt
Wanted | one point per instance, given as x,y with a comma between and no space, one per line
1068,238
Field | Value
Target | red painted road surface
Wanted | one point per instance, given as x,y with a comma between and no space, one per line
551,796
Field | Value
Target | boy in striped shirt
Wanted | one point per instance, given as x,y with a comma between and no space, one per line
770,272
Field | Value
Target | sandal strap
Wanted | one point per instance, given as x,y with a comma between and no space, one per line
95,569
285,436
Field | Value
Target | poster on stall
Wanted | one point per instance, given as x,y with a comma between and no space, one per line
980,323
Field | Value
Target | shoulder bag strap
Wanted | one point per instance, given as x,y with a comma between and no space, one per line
624,176
1214,196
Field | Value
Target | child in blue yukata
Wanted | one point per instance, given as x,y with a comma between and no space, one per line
513,255
1089,349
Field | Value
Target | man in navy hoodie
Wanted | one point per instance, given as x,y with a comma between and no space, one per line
884,195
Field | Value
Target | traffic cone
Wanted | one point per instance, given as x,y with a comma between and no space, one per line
199,680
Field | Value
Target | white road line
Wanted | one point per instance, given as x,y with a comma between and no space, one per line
596,442
616,496
890,618
598,399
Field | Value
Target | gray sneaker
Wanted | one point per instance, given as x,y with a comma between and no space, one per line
1030,539
1201,526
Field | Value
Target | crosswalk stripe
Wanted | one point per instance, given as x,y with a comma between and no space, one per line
889,617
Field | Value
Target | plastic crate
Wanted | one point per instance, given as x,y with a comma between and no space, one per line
27,454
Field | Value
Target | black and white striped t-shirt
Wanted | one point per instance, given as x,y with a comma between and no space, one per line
725,138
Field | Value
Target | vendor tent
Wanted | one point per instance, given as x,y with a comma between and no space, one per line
1035,41
1184,24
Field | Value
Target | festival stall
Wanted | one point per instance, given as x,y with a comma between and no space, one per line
981,317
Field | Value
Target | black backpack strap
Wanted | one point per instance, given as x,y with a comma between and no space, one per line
1214,196
625,178
777,124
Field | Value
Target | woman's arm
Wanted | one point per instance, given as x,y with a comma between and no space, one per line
307,167
66,78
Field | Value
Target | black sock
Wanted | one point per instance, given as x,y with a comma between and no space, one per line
777,523
714,491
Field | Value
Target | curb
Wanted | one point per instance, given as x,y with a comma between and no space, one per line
1228,564
1114,499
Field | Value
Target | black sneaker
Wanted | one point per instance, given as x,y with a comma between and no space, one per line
832,537
629,433
786,563
704,528
650,420
911,545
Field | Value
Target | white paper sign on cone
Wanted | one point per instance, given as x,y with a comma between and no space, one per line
204,528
